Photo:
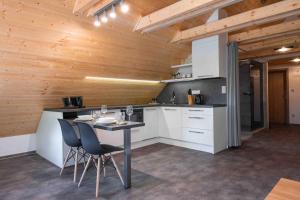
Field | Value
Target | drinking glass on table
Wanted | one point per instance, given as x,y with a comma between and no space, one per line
129,111
103,109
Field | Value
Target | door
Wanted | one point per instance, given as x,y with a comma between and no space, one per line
277,97
245,97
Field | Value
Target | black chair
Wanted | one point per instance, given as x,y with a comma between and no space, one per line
99,153
71,139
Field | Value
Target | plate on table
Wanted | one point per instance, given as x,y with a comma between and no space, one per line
84,118
106,121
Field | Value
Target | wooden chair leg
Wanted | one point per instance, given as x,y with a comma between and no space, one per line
75,165
86,167
65,162
117,169
98,176
103,165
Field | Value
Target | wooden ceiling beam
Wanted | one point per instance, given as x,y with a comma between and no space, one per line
277,57
83,5
257,16
93,10
265,53
177,12
272,43
267,32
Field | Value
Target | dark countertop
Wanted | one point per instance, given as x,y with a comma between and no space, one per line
69,110
116,127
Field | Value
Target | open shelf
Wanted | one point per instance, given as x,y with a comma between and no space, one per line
183,65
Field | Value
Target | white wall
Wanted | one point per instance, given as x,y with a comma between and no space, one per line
17,144
294,95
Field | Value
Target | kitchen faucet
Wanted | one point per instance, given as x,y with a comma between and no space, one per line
173,98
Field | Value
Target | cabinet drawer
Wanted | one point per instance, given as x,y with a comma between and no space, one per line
198,111
197,121
197,136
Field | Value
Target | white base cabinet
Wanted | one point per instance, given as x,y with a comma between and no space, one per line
203,129
170,122
151,122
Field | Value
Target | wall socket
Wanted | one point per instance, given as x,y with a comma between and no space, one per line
194,92
224,89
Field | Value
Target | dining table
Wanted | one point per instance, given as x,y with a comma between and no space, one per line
126,127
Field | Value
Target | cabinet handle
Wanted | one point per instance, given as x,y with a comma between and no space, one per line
196,110
170,109
196,132
151,109
196,118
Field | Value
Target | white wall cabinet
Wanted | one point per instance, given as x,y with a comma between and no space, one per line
170,122
209,57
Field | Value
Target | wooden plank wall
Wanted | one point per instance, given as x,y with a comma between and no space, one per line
46,51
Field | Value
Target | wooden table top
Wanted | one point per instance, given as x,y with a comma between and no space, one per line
285,189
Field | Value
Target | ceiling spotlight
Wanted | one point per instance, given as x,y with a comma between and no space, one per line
97,22
284,49
104,18
124,7
296,60
112,13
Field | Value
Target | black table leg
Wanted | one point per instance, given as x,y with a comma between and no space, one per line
127,158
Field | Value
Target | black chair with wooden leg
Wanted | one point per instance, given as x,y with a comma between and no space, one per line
71,139
97,152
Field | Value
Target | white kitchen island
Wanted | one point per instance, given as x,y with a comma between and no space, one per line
202,128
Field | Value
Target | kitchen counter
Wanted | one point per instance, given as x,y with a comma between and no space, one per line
69,110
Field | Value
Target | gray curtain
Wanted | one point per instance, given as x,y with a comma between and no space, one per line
233,97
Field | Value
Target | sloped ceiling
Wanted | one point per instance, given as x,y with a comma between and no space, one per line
46,51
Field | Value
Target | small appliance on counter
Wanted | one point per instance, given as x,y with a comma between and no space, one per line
199,99
73,102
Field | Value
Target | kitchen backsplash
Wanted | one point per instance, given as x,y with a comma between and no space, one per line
210,88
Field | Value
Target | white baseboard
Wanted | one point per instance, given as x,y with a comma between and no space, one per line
17,144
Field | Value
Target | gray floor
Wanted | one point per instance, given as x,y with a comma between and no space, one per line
168,173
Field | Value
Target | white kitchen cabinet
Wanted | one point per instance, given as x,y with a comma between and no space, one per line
209,57
206,126
170,121
199,136
110,137
151,122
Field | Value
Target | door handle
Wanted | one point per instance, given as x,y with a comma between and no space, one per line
150,109
196,110
169,109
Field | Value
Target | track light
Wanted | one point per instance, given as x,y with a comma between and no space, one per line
104,18
112,13
97,22
109,11
124,7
